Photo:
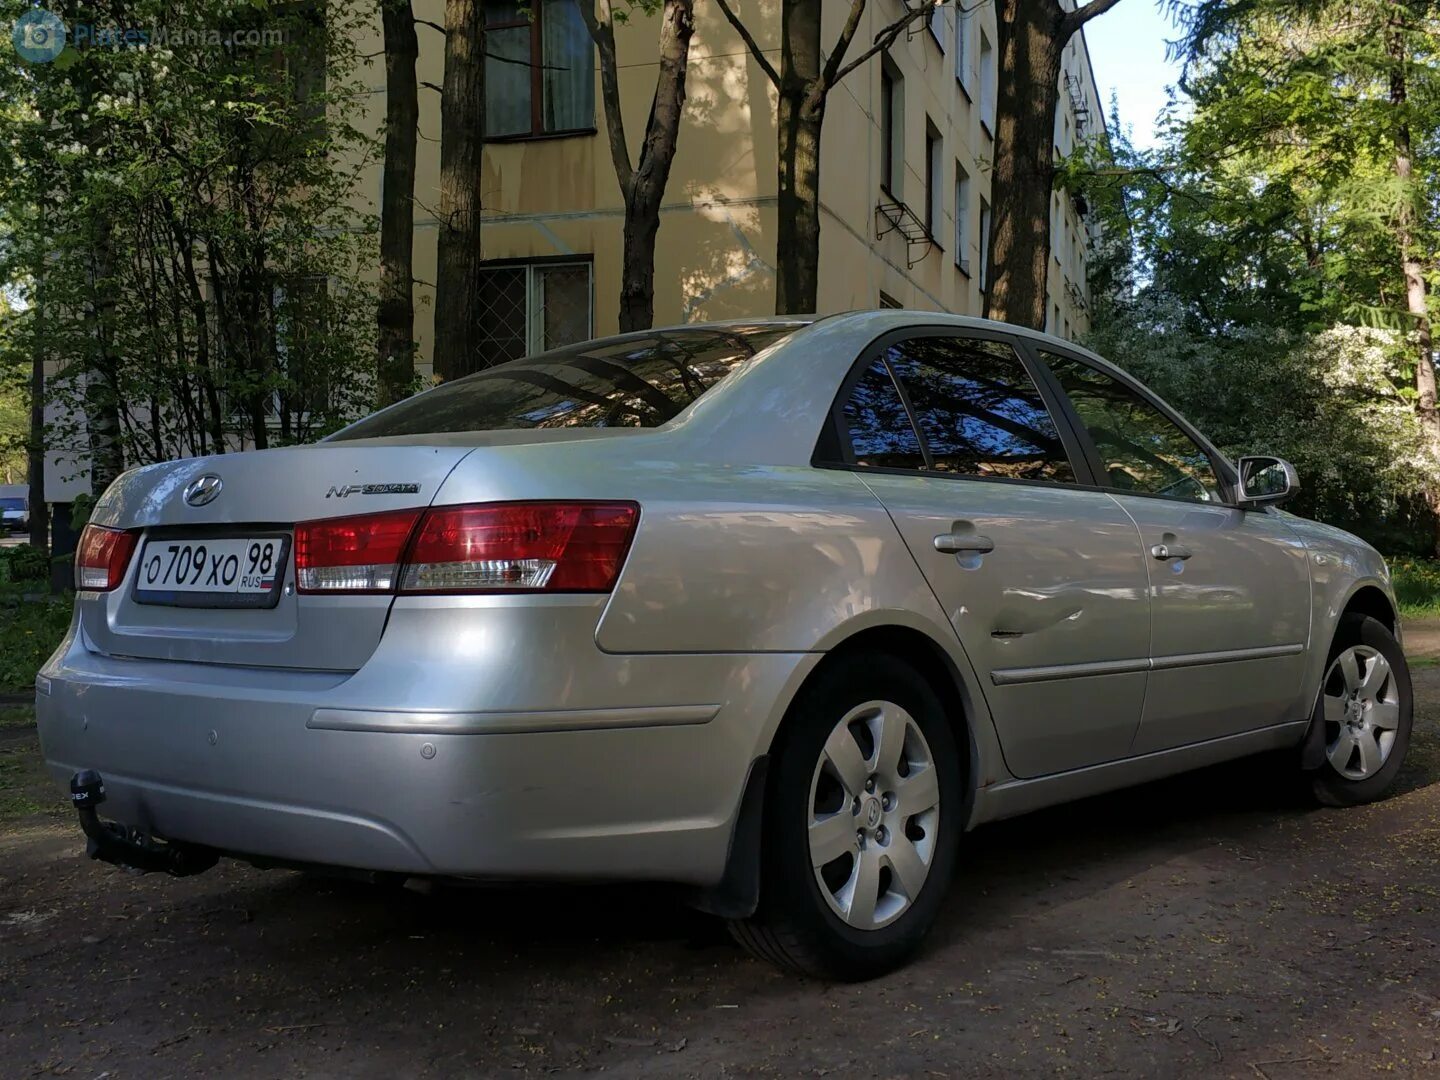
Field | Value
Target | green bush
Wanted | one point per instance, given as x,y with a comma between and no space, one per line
1417,586
24,563
29,633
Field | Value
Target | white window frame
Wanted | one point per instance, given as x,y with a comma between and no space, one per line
987,84
962,219
962,48
984,243
535,301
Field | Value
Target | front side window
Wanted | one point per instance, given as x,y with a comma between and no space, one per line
1141,448
539,69
634,382
879,428
977,410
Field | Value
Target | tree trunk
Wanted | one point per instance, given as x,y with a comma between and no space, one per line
1031,37
462,126
102,402
1426,409
648,182
395,361
800,116
35,448
798,228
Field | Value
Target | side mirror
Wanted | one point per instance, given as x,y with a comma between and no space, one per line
1266,481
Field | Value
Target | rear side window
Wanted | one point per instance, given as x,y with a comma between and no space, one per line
881,435
636,382
1142,449
977,409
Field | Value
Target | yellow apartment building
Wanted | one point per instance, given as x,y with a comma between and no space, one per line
904,181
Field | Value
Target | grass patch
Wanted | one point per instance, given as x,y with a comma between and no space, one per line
1417,586
29,632
26,788
19,717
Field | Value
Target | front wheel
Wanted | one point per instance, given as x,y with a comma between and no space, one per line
862,818
1365,708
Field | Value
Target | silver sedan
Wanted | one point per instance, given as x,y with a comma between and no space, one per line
774,611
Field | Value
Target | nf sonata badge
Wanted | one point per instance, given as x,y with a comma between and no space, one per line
202,490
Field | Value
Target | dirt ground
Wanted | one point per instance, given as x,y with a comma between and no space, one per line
1203,926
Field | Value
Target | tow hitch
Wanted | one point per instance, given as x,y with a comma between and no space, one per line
112,842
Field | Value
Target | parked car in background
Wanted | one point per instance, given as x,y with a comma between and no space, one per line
774,611
14,508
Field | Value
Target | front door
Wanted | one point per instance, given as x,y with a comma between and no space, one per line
1230,588
1044,582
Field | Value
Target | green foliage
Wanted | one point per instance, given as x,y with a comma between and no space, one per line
30,630
1417,586
180,226
1251,268
24,563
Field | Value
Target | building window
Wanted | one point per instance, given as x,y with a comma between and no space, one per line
531,307
892,126
936,25
934,186
987,84
962,219
539,69
888,301
962,49
984,244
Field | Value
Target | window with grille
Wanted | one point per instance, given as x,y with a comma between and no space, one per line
531,307
539,69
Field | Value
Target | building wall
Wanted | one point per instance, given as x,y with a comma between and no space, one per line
558,198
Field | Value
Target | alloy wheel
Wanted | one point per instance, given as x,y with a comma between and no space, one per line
874,815
1362,712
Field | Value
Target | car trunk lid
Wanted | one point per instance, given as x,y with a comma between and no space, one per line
260,494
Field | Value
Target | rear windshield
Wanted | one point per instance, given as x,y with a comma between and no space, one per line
635,382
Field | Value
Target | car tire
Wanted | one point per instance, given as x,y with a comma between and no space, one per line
823,921
1365,708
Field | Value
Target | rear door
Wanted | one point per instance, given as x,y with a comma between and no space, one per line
1043,580
1230,588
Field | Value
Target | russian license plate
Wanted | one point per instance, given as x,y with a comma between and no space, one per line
240,571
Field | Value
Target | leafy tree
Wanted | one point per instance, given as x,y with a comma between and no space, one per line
179,230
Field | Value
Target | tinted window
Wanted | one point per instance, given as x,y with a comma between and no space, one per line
978,410
880,431
640,382
1141,448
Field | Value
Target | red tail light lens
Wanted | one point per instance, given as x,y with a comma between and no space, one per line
490,548
520,547
102,557
353,554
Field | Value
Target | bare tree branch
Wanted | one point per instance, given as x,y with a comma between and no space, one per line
842,45
602,31
1074,20
750,43
887,37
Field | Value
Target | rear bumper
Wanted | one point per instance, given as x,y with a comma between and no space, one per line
327,769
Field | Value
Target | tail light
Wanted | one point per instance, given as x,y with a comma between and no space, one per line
491,548
353,554
101,557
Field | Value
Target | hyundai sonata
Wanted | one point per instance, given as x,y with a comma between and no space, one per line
774,611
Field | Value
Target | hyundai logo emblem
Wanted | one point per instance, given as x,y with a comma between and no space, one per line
202,490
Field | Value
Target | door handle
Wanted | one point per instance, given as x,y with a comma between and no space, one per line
1167,552
957,544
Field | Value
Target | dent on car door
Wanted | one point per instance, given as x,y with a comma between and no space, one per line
1043,581
1230,588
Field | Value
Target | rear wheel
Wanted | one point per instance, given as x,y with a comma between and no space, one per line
1365,710
862,819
